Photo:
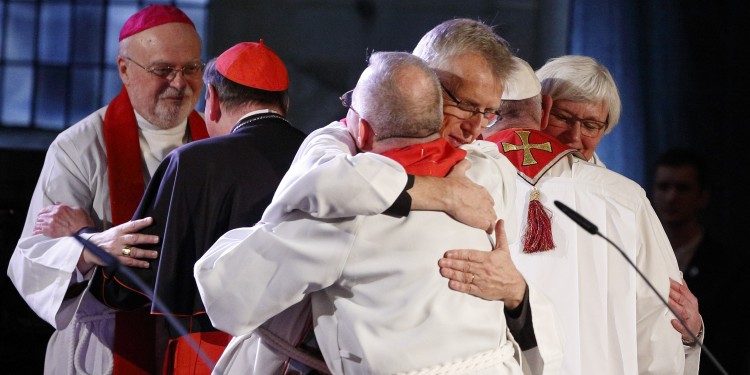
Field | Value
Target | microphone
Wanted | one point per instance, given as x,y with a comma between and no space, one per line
580,220
113,264
591,228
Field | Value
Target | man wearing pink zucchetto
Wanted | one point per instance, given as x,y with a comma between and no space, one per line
95,172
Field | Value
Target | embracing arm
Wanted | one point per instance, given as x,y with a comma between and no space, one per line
124,242
43,268
529,314
142,236
60,220
251,274
685,305
456,195
329,180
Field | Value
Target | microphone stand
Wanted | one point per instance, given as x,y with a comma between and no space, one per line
591,228
112,264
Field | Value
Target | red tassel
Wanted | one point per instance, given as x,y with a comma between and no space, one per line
538,233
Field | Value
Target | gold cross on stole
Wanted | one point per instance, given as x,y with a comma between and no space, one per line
528,158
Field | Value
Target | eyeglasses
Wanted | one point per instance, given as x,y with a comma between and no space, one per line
492,117
346,100
589,128
169,73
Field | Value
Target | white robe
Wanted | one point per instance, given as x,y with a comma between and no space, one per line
595,159
379,303
328,179
618,325
42,268
692,353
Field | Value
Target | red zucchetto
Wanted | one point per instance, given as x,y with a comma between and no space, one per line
152,16
253,65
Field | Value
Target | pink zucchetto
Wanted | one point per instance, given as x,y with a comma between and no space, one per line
152,16
253,65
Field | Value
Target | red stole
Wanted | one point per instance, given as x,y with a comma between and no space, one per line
434,158
126,185
134,330
533,153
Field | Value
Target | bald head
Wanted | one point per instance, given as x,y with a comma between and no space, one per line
399,96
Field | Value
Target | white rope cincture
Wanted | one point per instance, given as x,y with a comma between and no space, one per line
80,342
471,364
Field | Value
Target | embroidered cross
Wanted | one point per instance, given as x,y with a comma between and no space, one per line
528,158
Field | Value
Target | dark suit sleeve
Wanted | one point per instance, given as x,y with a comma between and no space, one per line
520,323
116,289
402,206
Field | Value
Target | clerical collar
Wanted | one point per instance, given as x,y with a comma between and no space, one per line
258,115
156,142
253,113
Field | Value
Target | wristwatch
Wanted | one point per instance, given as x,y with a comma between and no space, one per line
697,338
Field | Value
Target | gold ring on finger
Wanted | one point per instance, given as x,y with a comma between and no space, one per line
126,251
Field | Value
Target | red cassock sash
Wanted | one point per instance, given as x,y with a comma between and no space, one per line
434,158
134,345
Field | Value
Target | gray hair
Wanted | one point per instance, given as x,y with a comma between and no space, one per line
233,95
464,36
394,108
581,79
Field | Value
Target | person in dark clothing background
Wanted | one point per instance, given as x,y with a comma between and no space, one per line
710,267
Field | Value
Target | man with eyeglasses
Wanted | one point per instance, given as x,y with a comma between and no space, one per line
330,180
471,62
98,169
613,322
379,305
203,189
468,116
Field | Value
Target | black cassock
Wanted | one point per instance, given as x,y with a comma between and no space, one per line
199,192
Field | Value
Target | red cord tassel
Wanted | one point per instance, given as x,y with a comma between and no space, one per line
538,234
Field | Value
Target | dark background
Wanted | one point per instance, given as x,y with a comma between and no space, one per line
677,64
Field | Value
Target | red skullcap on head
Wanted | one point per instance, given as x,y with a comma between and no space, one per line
254,65
152,16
